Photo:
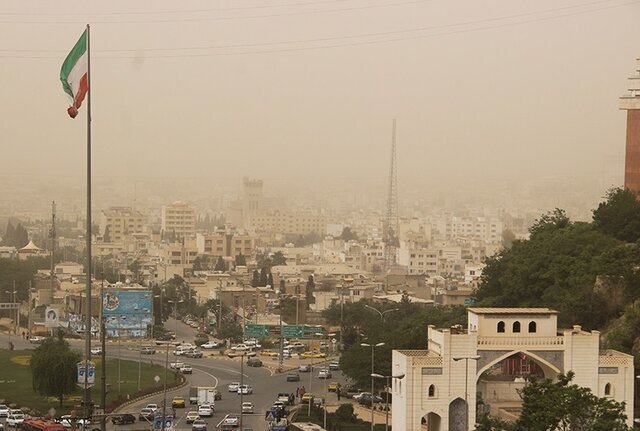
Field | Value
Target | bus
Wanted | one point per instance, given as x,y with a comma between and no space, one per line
40,425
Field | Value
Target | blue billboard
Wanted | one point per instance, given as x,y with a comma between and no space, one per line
127,312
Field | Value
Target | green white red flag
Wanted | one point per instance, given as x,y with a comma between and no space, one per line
74,75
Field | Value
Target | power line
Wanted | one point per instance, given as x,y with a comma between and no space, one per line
229,18
350,44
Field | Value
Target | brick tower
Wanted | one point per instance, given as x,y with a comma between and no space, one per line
631,104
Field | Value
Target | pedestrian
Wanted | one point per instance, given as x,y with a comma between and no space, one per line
298,392
338,393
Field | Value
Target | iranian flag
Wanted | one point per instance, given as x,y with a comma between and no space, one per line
74,75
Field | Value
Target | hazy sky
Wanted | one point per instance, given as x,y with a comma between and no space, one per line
308,88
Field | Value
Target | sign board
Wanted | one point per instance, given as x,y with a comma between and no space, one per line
51,317
293,331
169,423
469,301
86,373
256,330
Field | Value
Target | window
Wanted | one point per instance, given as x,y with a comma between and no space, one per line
532,327
607,390
516,327
501,326
432,391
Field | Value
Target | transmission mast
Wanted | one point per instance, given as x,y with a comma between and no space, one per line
52,235
390,229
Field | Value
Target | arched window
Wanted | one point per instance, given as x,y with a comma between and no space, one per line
501,326
533,327
432,391
516,326
607,390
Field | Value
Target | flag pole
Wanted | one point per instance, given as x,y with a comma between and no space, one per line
87,328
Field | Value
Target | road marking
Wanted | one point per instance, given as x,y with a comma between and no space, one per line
210,375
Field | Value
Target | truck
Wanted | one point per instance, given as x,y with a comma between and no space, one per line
206,395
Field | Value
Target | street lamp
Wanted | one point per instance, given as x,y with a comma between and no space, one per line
166,364
13,292
381,313
326,395
388,378
466,382
373,347
140,317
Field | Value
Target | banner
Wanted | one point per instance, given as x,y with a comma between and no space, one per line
87,372
51,317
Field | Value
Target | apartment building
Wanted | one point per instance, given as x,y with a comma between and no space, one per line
226,244
179,219
118,222
290,223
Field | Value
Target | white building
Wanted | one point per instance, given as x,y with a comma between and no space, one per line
503,347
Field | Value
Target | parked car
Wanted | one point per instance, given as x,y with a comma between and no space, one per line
293,377
186,369
146,414
245,390
199,425
205,410
15,419
211,345
247,407
313,354
334,366
148,351
123,419
254,362
233,386
178,402
191,416
360,395
4,411
366,399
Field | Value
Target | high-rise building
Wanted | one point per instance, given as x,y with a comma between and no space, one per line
178,219
631,104
118,222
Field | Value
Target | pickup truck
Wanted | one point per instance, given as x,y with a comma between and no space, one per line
284,398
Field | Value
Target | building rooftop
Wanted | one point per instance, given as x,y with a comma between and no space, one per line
507,310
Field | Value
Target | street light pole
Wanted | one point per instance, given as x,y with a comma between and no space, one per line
373,347
466,383
388,379
381,313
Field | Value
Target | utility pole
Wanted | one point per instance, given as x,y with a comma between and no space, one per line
219,306
52,235
103,354
390,229
29,312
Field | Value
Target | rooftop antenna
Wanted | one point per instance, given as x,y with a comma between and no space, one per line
390,229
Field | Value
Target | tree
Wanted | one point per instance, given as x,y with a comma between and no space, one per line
348,234
270,280
264,276
230,330
220,265
255,280
311,286
548,405
619,215
278,259
507,238
241,260
553,220
9,236
53,368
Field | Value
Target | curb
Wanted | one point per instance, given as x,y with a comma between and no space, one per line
135,400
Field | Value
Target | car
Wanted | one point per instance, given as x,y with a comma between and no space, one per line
199,425
4,411
176,365
306,397
210,345
307,355
191,416
366,399
319,355
253,344
234,353
217,395
240,348
205,410
360,395
231,419
245,390
254,362
186,369
178,402
269,353
284,398
293,377
148,351
123,419
247,407
194,354
36,339
324,374
146,414
334,366
15,419
153,407
304,368
279,405
96,350
333,387
297,345
67,422
233,386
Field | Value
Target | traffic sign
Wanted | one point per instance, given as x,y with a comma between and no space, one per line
256,330
270,416
293,331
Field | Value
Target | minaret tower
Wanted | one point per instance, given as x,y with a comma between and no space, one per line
631,104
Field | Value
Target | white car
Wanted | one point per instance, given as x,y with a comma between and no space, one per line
36,339
231,419
361,394
15,419
205,410
4,411
245,390
96,350
66,421
191,416
153,407
176,365
210,345
233,386
324,374
241,348
247,407
253,344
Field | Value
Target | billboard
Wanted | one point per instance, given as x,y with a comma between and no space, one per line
127,312
51,317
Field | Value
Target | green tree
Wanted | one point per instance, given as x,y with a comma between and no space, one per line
230,330
619,215
220,264
53,368
348,234
550,406
553,220
278,259
255,280
264,276
508,238
241,260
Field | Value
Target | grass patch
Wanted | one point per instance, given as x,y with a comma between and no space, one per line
16,385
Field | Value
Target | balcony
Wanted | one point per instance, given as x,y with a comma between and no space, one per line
515,343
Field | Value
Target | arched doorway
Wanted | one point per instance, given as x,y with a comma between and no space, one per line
458,415
431,422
